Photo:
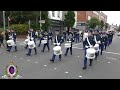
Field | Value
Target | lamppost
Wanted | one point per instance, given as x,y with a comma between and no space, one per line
4,22
40,20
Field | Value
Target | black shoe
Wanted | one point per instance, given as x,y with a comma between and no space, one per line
28,54
42,51
59,59
84,68
8,50
52,60
90,64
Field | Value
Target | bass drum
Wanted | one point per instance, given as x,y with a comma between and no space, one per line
31,44
57,50
90,53
10,43
96,47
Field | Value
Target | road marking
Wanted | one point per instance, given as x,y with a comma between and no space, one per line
80,76
55,68
78,56
66,72
112,53
77,47
21,58
111,58
98,60
108,62
15,56
76,44
28,60
45,65
36,62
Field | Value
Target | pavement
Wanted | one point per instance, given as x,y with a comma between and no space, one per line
70,67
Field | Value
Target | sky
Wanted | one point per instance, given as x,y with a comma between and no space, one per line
113,17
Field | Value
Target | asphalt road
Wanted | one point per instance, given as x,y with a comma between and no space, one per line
39,67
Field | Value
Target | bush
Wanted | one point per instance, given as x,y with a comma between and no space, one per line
20,28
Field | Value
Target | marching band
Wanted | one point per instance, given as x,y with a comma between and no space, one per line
94,42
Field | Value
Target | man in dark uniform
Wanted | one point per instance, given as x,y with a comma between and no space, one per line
46,36
31,34
13,36
70,38
92,43
64,35
56,41
50,34
96,39
41,34
77,36
7,34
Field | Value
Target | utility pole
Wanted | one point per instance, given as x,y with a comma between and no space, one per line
29,24
4,23
40,20
8,23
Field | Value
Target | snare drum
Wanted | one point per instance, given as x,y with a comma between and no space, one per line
96,47
90,53
57,50
43,41
67,45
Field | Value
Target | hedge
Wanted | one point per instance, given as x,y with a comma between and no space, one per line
20,28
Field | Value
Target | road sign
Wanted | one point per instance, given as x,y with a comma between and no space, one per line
41,21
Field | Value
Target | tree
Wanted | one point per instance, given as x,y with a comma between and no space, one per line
69,20
93,23
44,16
106,26
101,24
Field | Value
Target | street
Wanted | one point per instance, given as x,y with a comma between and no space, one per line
38,66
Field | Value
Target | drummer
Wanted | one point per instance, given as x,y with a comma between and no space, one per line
70,38
41,34
56,41
96,39
46,36
86,42
30,50
13,36
50,36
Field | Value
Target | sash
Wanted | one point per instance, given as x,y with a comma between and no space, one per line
88,42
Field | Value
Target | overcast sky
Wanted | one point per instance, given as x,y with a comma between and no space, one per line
113,17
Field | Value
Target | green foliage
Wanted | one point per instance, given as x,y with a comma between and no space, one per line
101,24
44,16
93,23
106,26
69,19
20,28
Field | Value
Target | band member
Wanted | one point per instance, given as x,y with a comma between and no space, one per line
89,39
102,43
41,34
71,40
96,39
105,40
50,34
7,34
12,36
31,34
57,41
30,49
85,34
64,35
46,37
1,40
77,36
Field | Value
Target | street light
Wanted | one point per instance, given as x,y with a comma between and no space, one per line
4,22
40,20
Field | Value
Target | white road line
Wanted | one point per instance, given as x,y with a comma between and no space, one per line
112,53
76,44
77,47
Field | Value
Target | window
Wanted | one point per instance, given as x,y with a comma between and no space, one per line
58,13
53,13
89,17
95,12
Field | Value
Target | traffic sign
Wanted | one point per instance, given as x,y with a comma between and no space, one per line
41,21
